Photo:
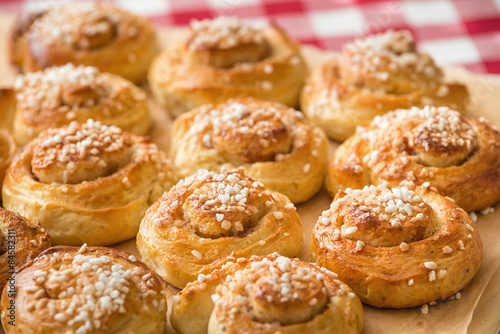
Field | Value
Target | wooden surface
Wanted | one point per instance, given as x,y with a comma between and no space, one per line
478,311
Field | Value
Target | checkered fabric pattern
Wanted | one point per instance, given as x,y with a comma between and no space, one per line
461,32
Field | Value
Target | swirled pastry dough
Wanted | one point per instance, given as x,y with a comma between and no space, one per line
89,183
372,76
266,294
84,33
273,143
211,215
86,290
458,155
398,247
224,58
59,95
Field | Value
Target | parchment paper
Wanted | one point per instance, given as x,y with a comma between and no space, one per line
478,311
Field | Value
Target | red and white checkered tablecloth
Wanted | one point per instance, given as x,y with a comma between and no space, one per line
461,32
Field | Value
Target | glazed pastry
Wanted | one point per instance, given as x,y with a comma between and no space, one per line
87,183
88,33
22,241
86,290
273,143
267,294
59,95
398,247
225,58
7,150
211,215
460,156
372,76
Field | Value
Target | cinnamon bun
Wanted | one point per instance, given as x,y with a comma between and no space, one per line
458,155
211,215
86,290
87,183
267,294
225,58
59,95
372,76
273,143
398,247
84,33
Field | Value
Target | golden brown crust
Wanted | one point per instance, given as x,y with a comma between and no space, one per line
7,107
266,294
87,183
273,143
18,41
86,290
223,59
95,34
59,95
7,151
373,76
212,215
458,155
398,247
22,240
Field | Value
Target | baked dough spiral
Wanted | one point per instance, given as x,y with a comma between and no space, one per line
86,290
398,247
458,155
224,58
89,183
372,76
212,215
7,151
88,33
22,241
59,95
273,143
267,294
